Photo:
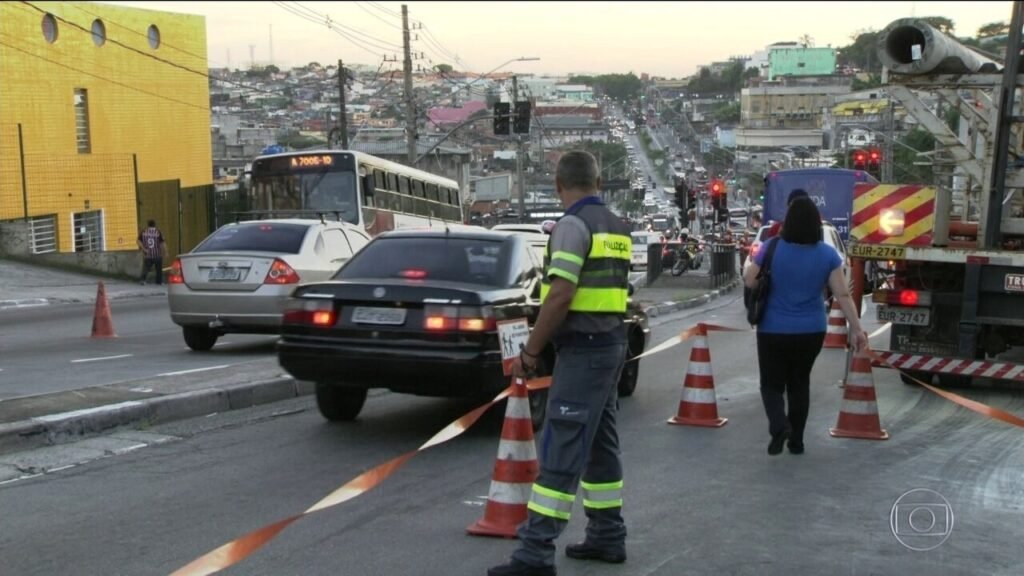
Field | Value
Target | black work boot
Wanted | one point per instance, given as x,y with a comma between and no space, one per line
587,551
518,568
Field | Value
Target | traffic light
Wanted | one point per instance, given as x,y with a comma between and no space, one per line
682,198
860,159
875,162
717,188
502,112
521,120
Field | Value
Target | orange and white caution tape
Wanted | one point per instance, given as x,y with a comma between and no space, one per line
684,336
885,358
238,549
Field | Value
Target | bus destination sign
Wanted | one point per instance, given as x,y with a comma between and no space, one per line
312,161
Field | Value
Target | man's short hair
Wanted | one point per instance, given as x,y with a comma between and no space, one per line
151,223
577,170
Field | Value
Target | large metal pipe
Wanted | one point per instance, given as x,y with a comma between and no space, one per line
912,46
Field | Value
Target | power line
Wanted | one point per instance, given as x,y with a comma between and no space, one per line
334,22
378,17
361,44
122,84
154,57
384,9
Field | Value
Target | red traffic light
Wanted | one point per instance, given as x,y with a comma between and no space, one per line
859,157
875,155
716,187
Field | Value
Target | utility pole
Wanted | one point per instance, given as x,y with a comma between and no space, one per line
410,103
887,148
519,155
342,115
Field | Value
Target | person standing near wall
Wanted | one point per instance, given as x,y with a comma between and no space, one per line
154,249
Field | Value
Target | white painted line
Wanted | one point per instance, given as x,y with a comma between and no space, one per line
76,413
51,470
194,370
80,360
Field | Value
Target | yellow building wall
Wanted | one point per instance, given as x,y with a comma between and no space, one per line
153,103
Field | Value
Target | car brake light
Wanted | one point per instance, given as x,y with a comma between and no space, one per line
281,273
754,248
413,274
176,276
459,318
310,313
902,297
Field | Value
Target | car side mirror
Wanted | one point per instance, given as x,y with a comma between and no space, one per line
632,289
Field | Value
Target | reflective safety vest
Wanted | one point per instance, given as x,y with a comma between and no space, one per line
603,283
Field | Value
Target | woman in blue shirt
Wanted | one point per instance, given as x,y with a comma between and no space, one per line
792,330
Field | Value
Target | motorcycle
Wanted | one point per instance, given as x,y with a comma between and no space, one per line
689,256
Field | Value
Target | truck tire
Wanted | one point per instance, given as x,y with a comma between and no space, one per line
339,403
199,339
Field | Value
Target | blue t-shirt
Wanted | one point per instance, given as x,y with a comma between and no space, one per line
796,301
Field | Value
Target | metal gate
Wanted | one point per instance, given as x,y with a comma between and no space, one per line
42,234
88,231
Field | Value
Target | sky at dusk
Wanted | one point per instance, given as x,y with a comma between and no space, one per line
669,39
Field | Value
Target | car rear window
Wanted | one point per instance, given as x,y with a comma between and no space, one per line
256,237
446,259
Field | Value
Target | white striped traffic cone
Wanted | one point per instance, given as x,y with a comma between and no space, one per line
858,414
698,406
514,470
836,332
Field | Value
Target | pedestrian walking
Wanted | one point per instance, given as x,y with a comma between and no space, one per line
792,330
583,303
154,248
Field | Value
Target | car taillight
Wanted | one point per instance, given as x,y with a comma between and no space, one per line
281,273
754,248
902,297
319,313
175,275
413,274
459,318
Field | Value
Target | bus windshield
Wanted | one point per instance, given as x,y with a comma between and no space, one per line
329,192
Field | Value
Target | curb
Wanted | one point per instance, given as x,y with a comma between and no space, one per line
666,308
24,303
67,427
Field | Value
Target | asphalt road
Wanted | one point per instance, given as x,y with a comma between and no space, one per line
49,348
698,501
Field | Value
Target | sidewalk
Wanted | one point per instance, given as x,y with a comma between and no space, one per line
671,294
24,285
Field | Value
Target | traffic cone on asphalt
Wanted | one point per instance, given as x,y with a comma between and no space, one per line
698,406
102,323
858,414
514,470
836,333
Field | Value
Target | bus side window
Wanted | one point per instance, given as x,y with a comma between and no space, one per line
403,185
417,189
432,192
393,182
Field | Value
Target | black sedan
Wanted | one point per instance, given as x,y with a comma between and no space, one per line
416,312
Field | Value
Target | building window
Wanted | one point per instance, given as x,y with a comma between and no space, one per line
88,231
49,28
154,36
99,32
82,120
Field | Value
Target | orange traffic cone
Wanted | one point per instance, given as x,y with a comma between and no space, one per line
835,335
858,414
102,323
698,406
514,470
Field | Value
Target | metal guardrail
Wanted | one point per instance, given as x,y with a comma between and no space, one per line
724,264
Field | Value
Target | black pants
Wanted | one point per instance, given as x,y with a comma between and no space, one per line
785,361
158,264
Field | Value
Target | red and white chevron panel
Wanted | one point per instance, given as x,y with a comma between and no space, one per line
953,366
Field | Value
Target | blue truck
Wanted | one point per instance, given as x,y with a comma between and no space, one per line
830,188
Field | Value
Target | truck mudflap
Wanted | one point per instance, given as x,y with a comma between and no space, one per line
996,370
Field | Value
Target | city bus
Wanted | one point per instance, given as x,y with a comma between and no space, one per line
353,187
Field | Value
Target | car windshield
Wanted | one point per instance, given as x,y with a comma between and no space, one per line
330,192
437,258
256,237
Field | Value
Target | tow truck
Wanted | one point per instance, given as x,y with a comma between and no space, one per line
956,299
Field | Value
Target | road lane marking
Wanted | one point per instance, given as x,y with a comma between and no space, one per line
194,370
80,360
84,412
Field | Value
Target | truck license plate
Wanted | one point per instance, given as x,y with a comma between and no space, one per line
901,315
385,316
878,251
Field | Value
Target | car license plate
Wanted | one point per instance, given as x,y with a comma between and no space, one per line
225,274
386,316
878,251
901,315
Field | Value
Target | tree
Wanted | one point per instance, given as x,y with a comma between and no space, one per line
861,53
443,68
807,41
941,23
993,29
271,69
617,86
